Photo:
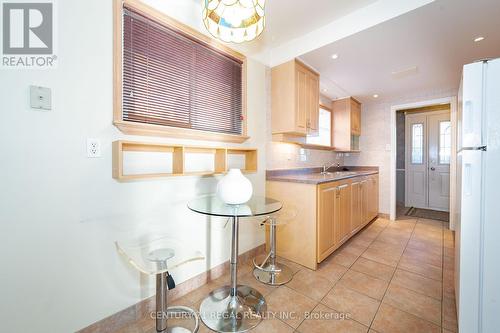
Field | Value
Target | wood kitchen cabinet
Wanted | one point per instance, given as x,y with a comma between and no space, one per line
356,205
294,99
367,193
355,117
372,209
343,202
328,215
346,124
334,211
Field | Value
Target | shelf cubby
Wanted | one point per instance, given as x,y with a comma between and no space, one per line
173,159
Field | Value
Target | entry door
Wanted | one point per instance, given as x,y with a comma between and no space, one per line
416,161
428,150
439,161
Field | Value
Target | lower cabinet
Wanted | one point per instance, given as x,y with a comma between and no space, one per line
327,216
356,205
334,217
343,207
373,198
327,219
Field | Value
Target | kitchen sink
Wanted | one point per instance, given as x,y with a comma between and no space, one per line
338,173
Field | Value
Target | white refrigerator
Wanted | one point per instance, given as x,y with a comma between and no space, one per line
477,232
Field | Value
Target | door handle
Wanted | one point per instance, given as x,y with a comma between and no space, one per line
433,168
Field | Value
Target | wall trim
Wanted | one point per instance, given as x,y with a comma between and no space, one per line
383,216
139,310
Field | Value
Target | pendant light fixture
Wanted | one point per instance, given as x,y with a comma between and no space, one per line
235,21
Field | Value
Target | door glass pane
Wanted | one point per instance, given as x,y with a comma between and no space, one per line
444,142
417,143
324,136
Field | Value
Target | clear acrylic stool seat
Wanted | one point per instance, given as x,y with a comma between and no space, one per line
155,256
266,267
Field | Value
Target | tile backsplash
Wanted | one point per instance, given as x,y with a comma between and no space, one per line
286,155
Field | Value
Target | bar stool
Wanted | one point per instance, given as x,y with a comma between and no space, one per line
267,269
155,257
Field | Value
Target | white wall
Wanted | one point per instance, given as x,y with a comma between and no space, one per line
375,139
60,212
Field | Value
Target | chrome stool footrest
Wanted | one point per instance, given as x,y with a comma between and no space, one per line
265,264
185,310
273,274
267,270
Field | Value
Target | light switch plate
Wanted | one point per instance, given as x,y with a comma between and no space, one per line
40,98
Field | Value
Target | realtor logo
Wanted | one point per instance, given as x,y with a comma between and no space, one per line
28,34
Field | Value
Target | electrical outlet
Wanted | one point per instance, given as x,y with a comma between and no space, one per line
93,148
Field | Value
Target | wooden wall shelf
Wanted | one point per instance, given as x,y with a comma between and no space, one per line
179,153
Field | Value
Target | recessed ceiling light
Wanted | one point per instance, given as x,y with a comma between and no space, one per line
375,96
325,90
478,39
335,56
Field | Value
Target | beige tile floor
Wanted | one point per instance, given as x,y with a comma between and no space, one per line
390,277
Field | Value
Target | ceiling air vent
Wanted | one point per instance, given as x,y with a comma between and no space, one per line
405,73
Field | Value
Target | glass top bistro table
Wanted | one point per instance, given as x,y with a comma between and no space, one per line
234,308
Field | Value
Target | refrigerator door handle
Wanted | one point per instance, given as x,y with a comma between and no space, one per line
467,180
468,119
482,148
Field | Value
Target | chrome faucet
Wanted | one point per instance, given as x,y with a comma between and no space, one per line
328,166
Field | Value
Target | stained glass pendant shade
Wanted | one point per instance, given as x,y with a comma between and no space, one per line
235,21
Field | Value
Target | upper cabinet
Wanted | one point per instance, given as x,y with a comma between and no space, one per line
355,117
295,99
346,124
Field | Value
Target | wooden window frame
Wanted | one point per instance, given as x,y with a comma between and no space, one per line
329,109
133,128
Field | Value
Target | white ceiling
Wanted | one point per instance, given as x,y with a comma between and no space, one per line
294,27
437,38
287,19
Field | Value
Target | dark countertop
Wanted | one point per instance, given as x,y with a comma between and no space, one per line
313,176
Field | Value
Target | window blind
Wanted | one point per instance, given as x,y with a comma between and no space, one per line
172,79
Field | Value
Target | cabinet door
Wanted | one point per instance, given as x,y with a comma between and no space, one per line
365,201
302,99
373,197
313,106
356,209
343,210
355,117
326,220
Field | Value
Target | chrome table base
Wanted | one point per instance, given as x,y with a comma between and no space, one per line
233,308
177,330
273,274
222,312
